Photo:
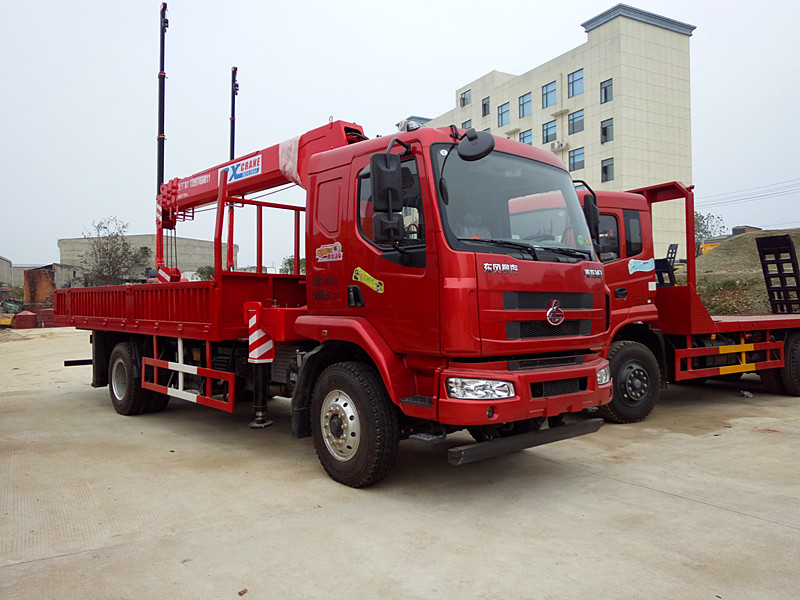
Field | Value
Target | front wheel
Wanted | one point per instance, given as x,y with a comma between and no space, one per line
356,428
636,382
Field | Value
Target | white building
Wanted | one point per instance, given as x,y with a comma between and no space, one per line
616,109
191,254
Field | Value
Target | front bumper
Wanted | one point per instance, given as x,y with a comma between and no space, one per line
543,392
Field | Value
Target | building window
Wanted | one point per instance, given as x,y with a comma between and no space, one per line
467,124
607,170
576,121
575,83
549,132
466,98
606,131
549,94
526,137
503,114
576,159
606,91
485,107
525,105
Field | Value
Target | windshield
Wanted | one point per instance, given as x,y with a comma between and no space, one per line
505,198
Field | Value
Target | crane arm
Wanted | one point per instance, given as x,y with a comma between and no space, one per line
277,165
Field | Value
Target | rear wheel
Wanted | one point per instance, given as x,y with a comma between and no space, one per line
636,382
125,390
790,373
356,428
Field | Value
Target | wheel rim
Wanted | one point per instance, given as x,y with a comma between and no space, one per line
634,384
341,428
119,379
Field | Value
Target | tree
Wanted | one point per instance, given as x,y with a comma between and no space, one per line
287,265
205,273
110,258
707,226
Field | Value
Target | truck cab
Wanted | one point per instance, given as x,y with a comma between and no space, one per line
490,296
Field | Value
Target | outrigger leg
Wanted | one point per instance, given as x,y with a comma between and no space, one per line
261,396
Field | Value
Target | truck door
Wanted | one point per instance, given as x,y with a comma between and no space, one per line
397,288
628,271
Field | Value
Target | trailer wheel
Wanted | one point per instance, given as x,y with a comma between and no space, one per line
790,373
127,396
356,428
637,383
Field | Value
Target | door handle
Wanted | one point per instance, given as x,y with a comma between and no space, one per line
621,293
354,296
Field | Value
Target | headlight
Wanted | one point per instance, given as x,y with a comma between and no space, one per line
603,376
479,389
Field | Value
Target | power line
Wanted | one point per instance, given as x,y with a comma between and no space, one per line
774,190
755,188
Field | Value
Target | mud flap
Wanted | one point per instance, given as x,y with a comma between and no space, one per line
462,455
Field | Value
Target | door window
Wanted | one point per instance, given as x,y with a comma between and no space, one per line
413,217
633,232
609,238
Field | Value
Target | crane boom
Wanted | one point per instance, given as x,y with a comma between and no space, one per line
271,167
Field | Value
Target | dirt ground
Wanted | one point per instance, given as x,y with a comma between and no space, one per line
697,502
729,277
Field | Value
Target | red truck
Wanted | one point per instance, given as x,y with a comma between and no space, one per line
661,332
429,304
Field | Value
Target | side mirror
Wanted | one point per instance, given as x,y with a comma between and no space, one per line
592,214
475,145
388,227
387,183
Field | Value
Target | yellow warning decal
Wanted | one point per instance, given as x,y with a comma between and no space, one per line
368,280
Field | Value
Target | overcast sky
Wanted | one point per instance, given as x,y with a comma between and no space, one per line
80,89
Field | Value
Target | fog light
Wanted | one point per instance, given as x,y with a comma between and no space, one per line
479,389
603,376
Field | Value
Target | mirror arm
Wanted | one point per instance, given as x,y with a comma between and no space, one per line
399,142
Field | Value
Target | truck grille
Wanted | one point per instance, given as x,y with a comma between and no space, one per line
520,330
542,300
559,387
541,363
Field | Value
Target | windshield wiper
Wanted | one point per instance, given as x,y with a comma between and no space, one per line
507,243
573,252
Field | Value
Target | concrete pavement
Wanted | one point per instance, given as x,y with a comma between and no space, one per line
699,501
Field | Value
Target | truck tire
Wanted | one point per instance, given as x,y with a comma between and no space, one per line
790,373
636,383
355,426
125,390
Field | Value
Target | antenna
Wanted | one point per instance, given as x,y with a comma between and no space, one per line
162,78
234,93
